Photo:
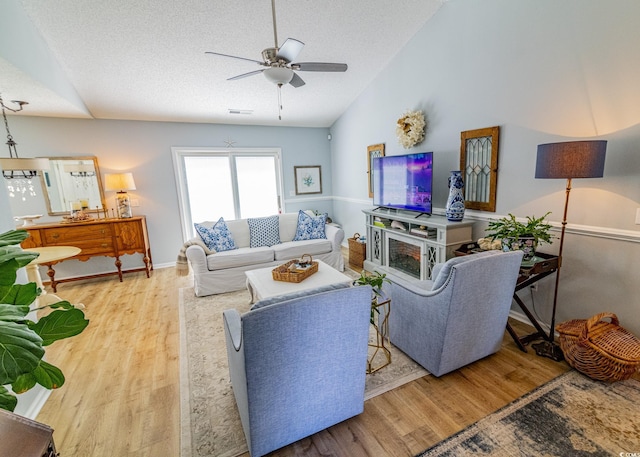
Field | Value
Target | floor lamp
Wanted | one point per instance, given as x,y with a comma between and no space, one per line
573,159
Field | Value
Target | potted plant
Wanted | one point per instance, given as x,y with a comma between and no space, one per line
375,280
380,357
516,235
22,341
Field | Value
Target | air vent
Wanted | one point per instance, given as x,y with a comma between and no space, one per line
241,111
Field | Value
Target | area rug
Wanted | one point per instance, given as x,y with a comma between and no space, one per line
571,415
210,423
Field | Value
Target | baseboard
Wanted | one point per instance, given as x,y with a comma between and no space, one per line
31,402
520,317
525,320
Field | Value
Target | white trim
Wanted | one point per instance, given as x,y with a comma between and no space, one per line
307,199
610,233
575,229
31,402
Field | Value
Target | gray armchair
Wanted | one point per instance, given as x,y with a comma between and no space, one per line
460,316
298,364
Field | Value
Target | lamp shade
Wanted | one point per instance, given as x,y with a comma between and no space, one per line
572,159
119,182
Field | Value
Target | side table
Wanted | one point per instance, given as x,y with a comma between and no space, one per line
531,272
380,357
48,256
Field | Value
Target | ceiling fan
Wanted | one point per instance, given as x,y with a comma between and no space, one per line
279,63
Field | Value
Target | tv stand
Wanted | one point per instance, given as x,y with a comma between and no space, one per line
414,244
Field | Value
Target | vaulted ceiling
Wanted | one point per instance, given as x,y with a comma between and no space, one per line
145,60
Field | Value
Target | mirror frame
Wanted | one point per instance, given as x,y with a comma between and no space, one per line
45,191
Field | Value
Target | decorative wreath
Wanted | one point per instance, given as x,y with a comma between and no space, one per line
410,129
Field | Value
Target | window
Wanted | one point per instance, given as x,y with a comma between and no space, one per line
237,184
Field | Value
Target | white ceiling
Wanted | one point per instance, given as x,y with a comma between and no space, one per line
145,60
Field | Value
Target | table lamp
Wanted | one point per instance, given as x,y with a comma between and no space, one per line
573,159
120,182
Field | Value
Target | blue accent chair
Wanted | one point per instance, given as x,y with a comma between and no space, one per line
460,316
297,365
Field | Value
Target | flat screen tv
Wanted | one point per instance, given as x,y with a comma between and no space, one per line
403,182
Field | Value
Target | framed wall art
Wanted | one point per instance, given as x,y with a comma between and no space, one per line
373,151
479,166
308,179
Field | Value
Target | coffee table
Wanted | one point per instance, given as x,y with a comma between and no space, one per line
261,284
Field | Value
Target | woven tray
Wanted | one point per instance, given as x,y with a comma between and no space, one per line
602,350
289,273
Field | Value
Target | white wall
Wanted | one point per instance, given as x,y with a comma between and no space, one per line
544,71
144,148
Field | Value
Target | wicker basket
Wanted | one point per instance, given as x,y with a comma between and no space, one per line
288,273
357,251
601,350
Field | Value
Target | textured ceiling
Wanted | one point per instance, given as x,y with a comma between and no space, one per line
145,60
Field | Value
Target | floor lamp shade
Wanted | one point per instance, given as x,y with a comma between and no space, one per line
121,183
572,159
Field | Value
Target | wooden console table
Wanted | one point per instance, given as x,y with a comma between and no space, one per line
100,237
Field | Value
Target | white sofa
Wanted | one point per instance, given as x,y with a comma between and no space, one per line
222,272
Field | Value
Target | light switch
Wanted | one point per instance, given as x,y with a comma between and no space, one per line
638,216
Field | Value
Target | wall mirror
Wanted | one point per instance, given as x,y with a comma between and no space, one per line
72,180
479,166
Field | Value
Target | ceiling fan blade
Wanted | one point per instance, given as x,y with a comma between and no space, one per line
319,66
234,57
290,49
244,75
296,81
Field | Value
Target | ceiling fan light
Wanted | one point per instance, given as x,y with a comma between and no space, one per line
278,75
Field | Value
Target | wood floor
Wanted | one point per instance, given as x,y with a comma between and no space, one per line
121,396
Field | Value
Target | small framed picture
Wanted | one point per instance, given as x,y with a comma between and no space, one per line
373,151
308,179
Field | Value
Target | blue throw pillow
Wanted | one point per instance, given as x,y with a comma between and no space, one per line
310,227
217,238
264,231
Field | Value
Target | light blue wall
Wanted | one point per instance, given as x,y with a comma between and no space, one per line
144,148
544,71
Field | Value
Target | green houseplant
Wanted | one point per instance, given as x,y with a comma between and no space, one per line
516,235
22,341
375,280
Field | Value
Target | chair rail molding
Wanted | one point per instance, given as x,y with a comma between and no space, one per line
611,233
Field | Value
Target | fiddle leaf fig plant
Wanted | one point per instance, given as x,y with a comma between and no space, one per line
22,341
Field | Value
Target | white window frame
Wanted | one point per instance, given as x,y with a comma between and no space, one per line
179,153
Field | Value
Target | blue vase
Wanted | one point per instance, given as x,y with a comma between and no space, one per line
455,203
